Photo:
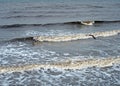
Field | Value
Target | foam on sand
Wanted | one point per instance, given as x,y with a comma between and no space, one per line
71,64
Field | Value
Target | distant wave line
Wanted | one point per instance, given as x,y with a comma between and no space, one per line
69,64
37,16
72,22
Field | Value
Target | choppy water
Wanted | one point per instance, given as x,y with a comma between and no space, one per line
43,43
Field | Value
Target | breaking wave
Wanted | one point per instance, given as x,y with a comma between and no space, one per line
70,64
76,36
71,37
73,22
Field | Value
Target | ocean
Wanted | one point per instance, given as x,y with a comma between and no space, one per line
45,43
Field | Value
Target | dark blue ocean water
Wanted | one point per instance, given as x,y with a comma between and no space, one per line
21,20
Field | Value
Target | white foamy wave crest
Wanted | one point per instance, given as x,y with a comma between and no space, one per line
71,64
76,36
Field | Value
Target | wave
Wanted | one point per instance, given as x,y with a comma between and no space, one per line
18,25
70,64
80,22
23,16
64,38
19,16
25,25
76,36
73,22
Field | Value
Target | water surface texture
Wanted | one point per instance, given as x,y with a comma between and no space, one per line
44,43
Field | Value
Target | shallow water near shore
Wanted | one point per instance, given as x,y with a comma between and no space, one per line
43,43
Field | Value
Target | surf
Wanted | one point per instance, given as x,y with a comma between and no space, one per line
76,36
66,38
68,64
